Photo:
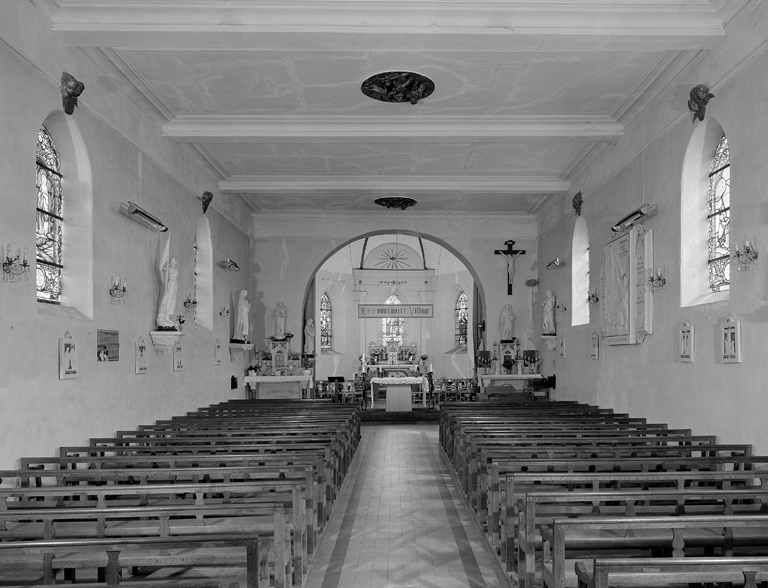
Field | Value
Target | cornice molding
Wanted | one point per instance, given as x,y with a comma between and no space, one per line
409,184
263,129
344,25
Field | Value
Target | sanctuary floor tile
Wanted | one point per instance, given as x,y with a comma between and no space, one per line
400,521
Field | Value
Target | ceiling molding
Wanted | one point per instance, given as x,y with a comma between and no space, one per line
463,129
409,184
625,25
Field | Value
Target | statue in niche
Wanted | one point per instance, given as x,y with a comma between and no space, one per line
507,323
280,316
309,337
549,314
166,317
242,324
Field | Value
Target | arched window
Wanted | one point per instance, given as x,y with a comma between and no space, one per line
719,218
705,214
580,272
49,224
326,322
392,328
460,320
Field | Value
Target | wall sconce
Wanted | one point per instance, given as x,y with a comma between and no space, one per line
746,256
658,280
190,302
13,269
224,312
228,264
181,319
556,263
117,292
560,306
592,297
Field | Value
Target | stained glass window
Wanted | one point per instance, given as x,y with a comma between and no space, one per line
48,237
461,318
326,322
719,218
392,328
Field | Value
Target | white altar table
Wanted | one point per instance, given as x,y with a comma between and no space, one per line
502,379
267,387
399,392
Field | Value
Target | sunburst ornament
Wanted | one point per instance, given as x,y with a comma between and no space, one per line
392,259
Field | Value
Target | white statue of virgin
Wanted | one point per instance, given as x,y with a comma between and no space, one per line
169,290
242,324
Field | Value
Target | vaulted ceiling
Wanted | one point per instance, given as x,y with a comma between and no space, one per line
269,91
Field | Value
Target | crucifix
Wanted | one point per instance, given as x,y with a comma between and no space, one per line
510,254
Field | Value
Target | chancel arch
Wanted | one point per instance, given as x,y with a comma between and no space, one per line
422,272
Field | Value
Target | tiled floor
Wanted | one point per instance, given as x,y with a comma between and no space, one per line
401,522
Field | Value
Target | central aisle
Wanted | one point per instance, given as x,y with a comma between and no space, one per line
401,522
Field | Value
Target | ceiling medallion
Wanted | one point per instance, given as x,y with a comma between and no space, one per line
398,86
400,202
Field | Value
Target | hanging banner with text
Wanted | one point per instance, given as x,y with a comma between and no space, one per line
380,311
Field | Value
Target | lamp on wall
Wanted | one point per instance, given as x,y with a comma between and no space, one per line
118,293
592,297
560,306
657,281
228,264
556,263
13,269
224,312
138,215
746,256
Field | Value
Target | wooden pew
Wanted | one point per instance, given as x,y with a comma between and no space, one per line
677,535
641,572
541,509
282,497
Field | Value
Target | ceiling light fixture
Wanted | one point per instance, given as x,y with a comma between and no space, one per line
401,202
398,86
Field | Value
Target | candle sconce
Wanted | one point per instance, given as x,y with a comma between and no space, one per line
560,306
592,297
117,292
556,263
747,256
224,312
13,268
657,281
190,303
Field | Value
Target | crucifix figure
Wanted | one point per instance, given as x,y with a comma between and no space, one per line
510,254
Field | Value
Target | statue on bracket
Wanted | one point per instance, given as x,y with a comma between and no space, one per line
309,337
70,89
549,314
242,323
507,323
280,316
169,289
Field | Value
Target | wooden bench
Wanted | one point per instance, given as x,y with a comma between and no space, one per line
504,511
677,536
541,509
640,572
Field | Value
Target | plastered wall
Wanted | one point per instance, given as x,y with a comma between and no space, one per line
39,412
646,167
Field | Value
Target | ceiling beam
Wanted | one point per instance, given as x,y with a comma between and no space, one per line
393,26
330,129
409,184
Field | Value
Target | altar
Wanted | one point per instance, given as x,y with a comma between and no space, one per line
399,392
269,387
506,379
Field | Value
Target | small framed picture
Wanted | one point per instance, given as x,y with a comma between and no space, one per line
67,357
686,342
217,352
178,361
562,345
595,349
728,340
141,356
